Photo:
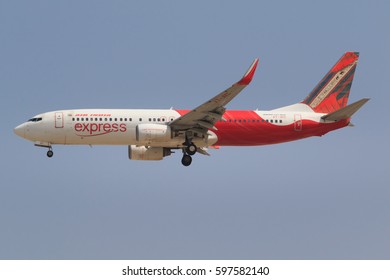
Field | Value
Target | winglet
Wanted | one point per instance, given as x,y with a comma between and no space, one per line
249,74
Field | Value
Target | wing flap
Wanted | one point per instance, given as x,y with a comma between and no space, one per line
206,125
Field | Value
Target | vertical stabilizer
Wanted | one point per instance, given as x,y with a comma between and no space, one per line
332,92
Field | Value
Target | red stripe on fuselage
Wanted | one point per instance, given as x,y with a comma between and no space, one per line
247,128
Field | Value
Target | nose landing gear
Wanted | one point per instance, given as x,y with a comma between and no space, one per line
50,153
45,145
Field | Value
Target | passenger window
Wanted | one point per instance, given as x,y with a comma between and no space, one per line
140,119
105,119
72,119
110,119
125,119
130,119
150,119
121,119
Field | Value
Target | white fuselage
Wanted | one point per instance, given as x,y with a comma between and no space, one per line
101,127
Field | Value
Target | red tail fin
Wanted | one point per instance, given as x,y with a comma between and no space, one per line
332,91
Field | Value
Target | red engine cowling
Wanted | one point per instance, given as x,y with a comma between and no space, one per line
145,153
151,132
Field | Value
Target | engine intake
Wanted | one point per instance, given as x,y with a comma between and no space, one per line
145,153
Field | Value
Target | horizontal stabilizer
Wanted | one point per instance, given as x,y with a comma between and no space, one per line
346,112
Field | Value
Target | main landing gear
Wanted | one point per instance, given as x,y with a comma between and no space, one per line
188,151
186,160
191,149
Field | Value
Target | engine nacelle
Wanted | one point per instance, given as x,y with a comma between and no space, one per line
144,153
151,132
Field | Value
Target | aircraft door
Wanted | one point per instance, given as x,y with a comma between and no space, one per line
297,122
59,120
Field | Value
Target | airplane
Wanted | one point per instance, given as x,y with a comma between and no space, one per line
155,134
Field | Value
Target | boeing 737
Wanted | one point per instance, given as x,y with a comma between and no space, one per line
154,134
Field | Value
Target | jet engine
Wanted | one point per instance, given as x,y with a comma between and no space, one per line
151,132
145,153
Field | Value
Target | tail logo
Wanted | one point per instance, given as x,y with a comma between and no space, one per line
331,85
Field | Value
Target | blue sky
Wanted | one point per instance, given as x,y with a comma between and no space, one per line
319,198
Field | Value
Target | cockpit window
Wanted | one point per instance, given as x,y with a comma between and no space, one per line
35,119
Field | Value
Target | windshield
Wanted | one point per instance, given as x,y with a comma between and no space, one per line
35,120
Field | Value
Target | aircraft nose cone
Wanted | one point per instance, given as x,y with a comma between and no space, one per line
20,130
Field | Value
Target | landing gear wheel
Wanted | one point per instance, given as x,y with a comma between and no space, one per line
191,149
186,160
50,153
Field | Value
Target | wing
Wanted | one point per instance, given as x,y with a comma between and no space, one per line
206,115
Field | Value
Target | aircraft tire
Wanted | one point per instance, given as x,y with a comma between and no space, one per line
186,160
191,149
50,153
